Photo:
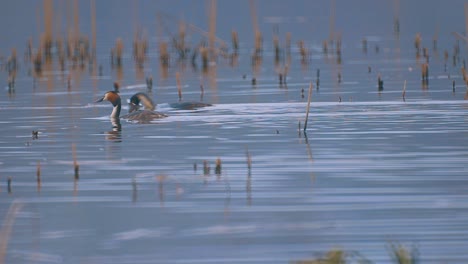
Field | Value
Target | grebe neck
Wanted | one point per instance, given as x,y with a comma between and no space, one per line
116,110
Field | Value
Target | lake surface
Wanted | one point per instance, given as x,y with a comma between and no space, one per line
374,168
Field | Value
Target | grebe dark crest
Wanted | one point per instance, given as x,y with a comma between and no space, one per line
136,115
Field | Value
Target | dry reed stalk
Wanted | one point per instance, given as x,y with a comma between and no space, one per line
425,71
48,27
206,168
163,54
288,42
257,34
466,19
38,176
325,47
332,20
7,227
249,159
9,187
76,22
118,51
309,98
202,90
212,26
179,86
396,19
277,49
204,56
93,27
404,90
302,50
258,43
380,82
76,167
235,41
218,166
417,43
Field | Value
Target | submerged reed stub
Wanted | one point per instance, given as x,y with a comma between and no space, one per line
9,180
149,83
380,83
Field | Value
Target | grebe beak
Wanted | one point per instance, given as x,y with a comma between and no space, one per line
100,100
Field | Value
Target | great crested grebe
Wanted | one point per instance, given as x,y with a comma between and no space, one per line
135,115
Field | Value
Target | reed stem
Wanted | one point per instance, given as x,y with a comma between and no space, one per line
308,106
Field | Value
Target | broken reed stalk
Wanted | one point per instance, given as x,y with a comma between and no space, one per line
308,106
179,86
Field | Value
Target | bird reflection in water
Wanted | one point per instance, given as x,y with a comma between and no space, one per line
116,133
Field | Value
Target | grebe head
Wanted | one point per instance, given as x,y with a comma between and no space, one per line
144,99
114,99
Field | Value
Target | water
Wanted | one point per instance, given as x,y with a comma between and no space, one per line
372,169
